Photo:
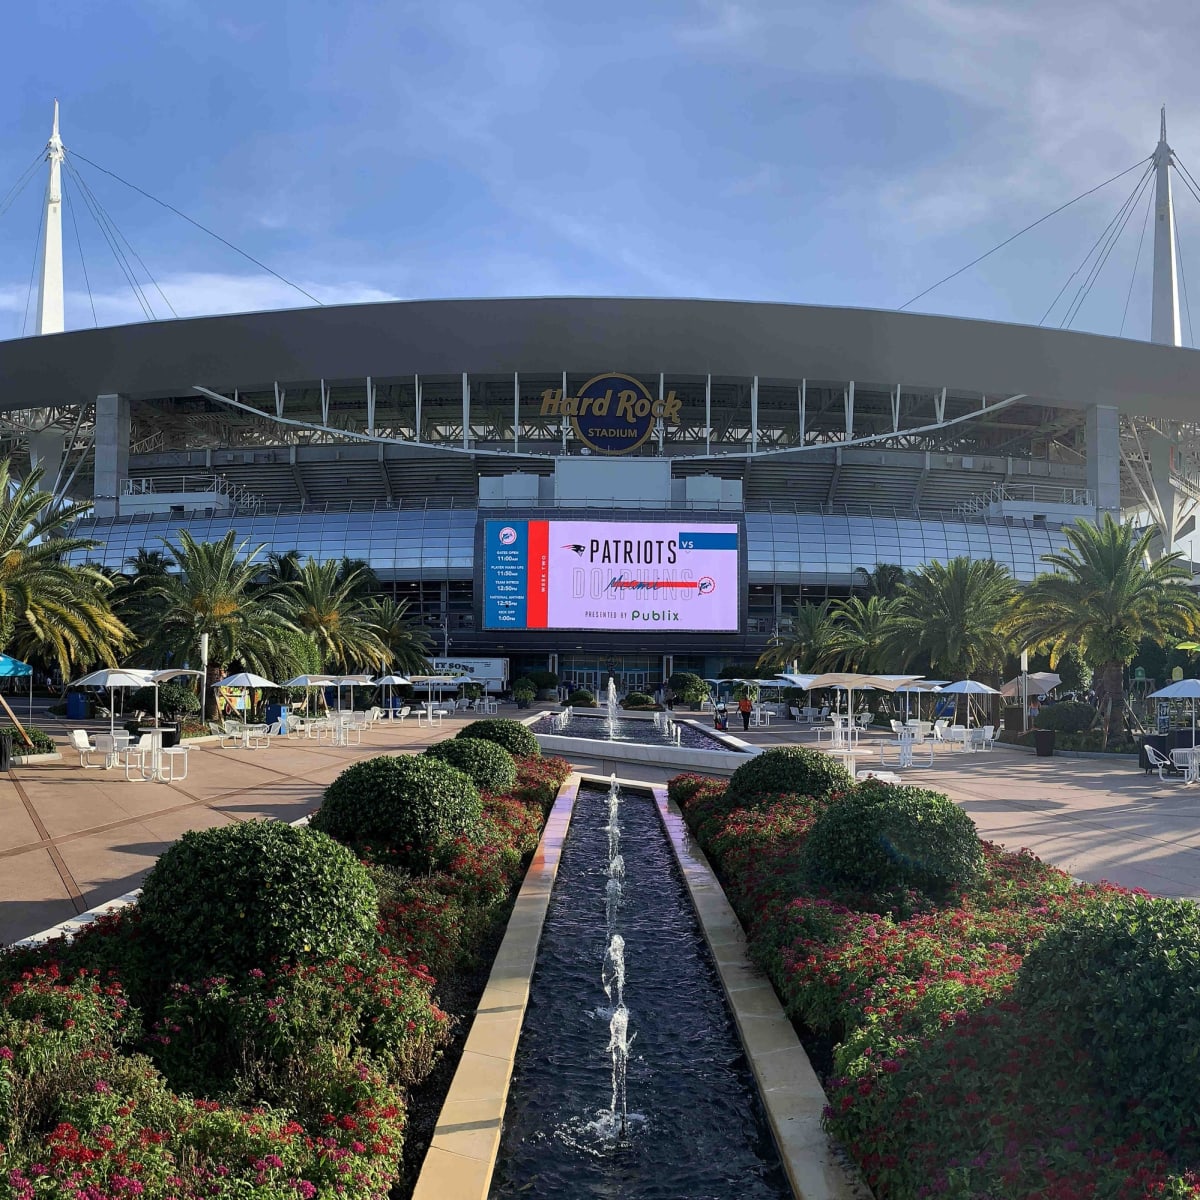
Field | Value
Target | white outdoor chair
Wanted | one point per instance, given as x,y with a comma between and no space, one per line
989,737
170,757
939,730
402,712
863,719
897,728
231,733
1160,762
135,757
258,737
86,747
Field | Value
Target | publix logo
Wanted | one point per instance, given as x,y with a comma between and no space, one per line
612,414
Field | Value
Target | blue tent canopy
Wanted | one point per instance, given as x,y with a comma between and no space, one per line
12,667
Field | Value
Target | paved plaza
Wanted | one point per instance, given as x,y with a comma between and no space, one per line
71,839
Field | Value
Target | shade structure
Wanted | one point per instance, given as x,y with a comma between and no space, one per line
968,688
14,668
1181,689
308,681
1039,682
113,678
857,680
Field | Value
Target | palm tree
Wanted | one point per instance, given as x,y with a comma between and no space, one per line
862,633
885,581
809,643
956,613
47,606
211,590
326,605
1104,597
408,642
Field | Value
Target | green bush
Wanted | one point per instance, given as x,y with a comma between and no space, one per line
544,681
411,805
581,698
230,899
876,838
43,743
1119,981
512,735
1068,716
688,688
791,769
637,700
175,700
489,765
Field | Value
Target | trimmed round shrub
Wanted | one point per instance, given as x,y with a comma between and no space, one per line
1068,716
410,805
512,735
581,698
877,838
637,700
225,900
1119,980
790,769
688,688
489,765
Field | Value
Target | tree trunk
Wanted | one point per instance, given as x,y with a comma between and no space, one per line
209,699
1110,697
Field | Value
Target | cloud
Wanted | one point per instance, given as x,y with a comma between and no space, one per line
193,294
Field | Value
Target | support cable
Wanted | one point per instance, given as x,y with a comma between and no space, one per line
224,241
17,188
122,262
33,268
127,243
79,242
1183,277
1137,259
1016,235
1186,176
1085,288
1094,247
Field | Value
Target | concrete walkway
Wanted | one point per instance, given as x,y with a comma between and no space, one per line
71,839
1097,818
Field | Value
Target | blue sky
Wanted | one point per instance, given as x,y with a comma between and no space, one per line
846,153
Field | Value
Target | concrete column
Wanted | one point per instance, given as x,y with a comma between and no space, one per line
1104,459
112,453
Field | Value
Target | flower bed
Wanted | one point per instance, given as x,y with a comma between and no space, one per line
291,1079
946,1074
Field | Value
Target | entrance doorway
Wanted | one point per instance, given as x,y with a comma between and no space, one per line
632,673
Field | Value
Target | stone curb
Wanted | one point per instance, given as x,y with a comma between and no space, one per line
466,1140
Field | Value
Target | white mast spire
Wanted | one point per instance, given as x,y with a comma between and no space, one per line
50,315
1164,312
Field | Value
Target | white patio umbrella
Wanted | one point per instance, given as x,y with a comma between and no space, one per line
387,682
969,688
350,681
113,678
432,681
1040,682
157,677
308,682
1181,689
246,680
920,688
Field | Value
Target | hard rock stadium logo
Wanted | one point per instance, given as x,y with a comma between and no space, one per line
612,414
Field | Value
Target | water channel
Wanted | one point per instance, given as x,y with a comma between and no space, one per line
626,967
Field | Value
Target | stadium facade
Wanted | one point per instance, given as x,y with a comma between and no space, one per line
601,486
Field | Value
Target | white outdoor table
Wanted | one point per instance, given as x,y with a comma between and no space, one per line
1187,759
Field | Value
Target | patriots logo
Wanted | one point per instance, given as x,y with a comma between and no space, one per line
578,549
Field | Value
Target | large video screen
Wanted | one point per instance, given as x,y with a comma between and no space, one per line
625,575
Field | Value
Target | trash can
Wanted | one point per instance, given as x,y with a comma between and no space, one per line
278,712
77,706
1043,740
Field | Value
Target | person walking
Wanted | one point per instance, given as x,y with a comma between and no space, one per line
745,708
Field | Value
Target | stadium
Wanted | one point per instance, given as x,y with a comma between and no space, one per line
603,485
